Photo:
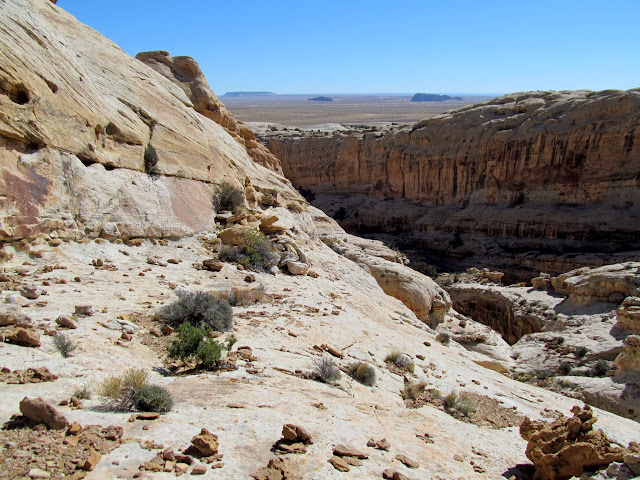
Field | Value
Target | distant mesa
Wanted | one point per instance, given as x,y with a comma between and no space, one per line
248,94
432,97
321,99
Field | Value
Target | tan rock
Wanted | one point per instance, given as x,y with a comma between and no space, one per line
628,315
296,433
38,473
407,461
24,336
339,464
66,322
206,443
234,235
345,451
199,470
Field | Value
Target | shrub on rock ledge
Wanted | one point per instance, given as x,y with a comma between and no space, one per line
363,373
254,251
227,197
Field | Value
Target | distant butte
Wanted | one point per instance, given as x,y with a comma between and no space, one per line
432,97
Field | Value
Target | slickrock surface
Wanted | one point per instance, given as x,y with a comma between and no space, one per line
549,175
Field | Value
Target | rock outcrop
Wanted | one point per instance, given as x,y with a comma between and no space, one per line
548,175
186,73
96,143
564,448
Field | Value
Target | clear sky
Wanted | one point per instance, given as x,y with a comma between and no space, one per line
354,46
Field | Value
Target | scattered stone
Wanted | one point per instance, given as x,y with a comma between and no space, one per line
26,337
344,451
166,330
17,319
31,291
407,461
84,310
391,474
458,458
74,429
66,322
339,464
295,433
30,375
297,268
148,416
37,410
38,473
92,461
379,444
199,470
277,469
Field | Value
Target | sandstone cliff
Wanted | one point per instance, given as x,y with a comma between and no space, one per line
80,123
552,172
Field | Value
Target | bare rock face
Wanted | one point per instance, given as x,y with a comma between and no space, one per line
610,283
186,73
628,315
563,448
39,411
532,171
628,361
95,143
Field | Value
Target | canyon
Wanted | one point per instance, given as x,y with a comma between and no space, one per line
527,182
110,168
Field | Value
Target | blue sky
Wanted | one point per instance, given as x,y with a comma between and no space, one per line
353,46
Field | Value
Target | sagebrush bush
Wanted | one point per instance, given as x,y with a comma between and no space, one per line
64,344
153,398
227,197
200,309
254,252
362,372
115,386
326,369
444,338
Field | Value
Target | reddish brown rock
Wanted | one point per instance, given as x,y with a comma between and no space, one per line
339,464
37,410
92,460
296,433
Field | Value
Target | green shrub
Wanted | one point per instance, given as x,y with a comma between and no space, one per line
227,197
601,368
565,368
581,351
150,160
362,372
194,344
153,398
444,338
200,309
253,252
64,344
425,269
326,369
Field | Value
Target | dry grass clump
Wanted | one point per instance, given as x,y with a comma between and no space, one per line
363,373
64,344
115,387
400,360
132,390
326,369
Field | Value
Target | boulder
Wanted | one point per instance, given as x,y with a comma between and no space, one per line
296,433
66,322
297,268
628,360
206,443
31,292
13,317
84,310
212,264
345,451
234,235
39,411
26,337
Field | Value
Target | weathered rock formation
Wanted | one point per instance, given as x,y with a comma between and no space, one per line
564,448
548,175
81,125
186,73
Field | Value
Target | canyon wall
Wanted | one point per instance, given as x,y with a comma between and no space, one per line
554,173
